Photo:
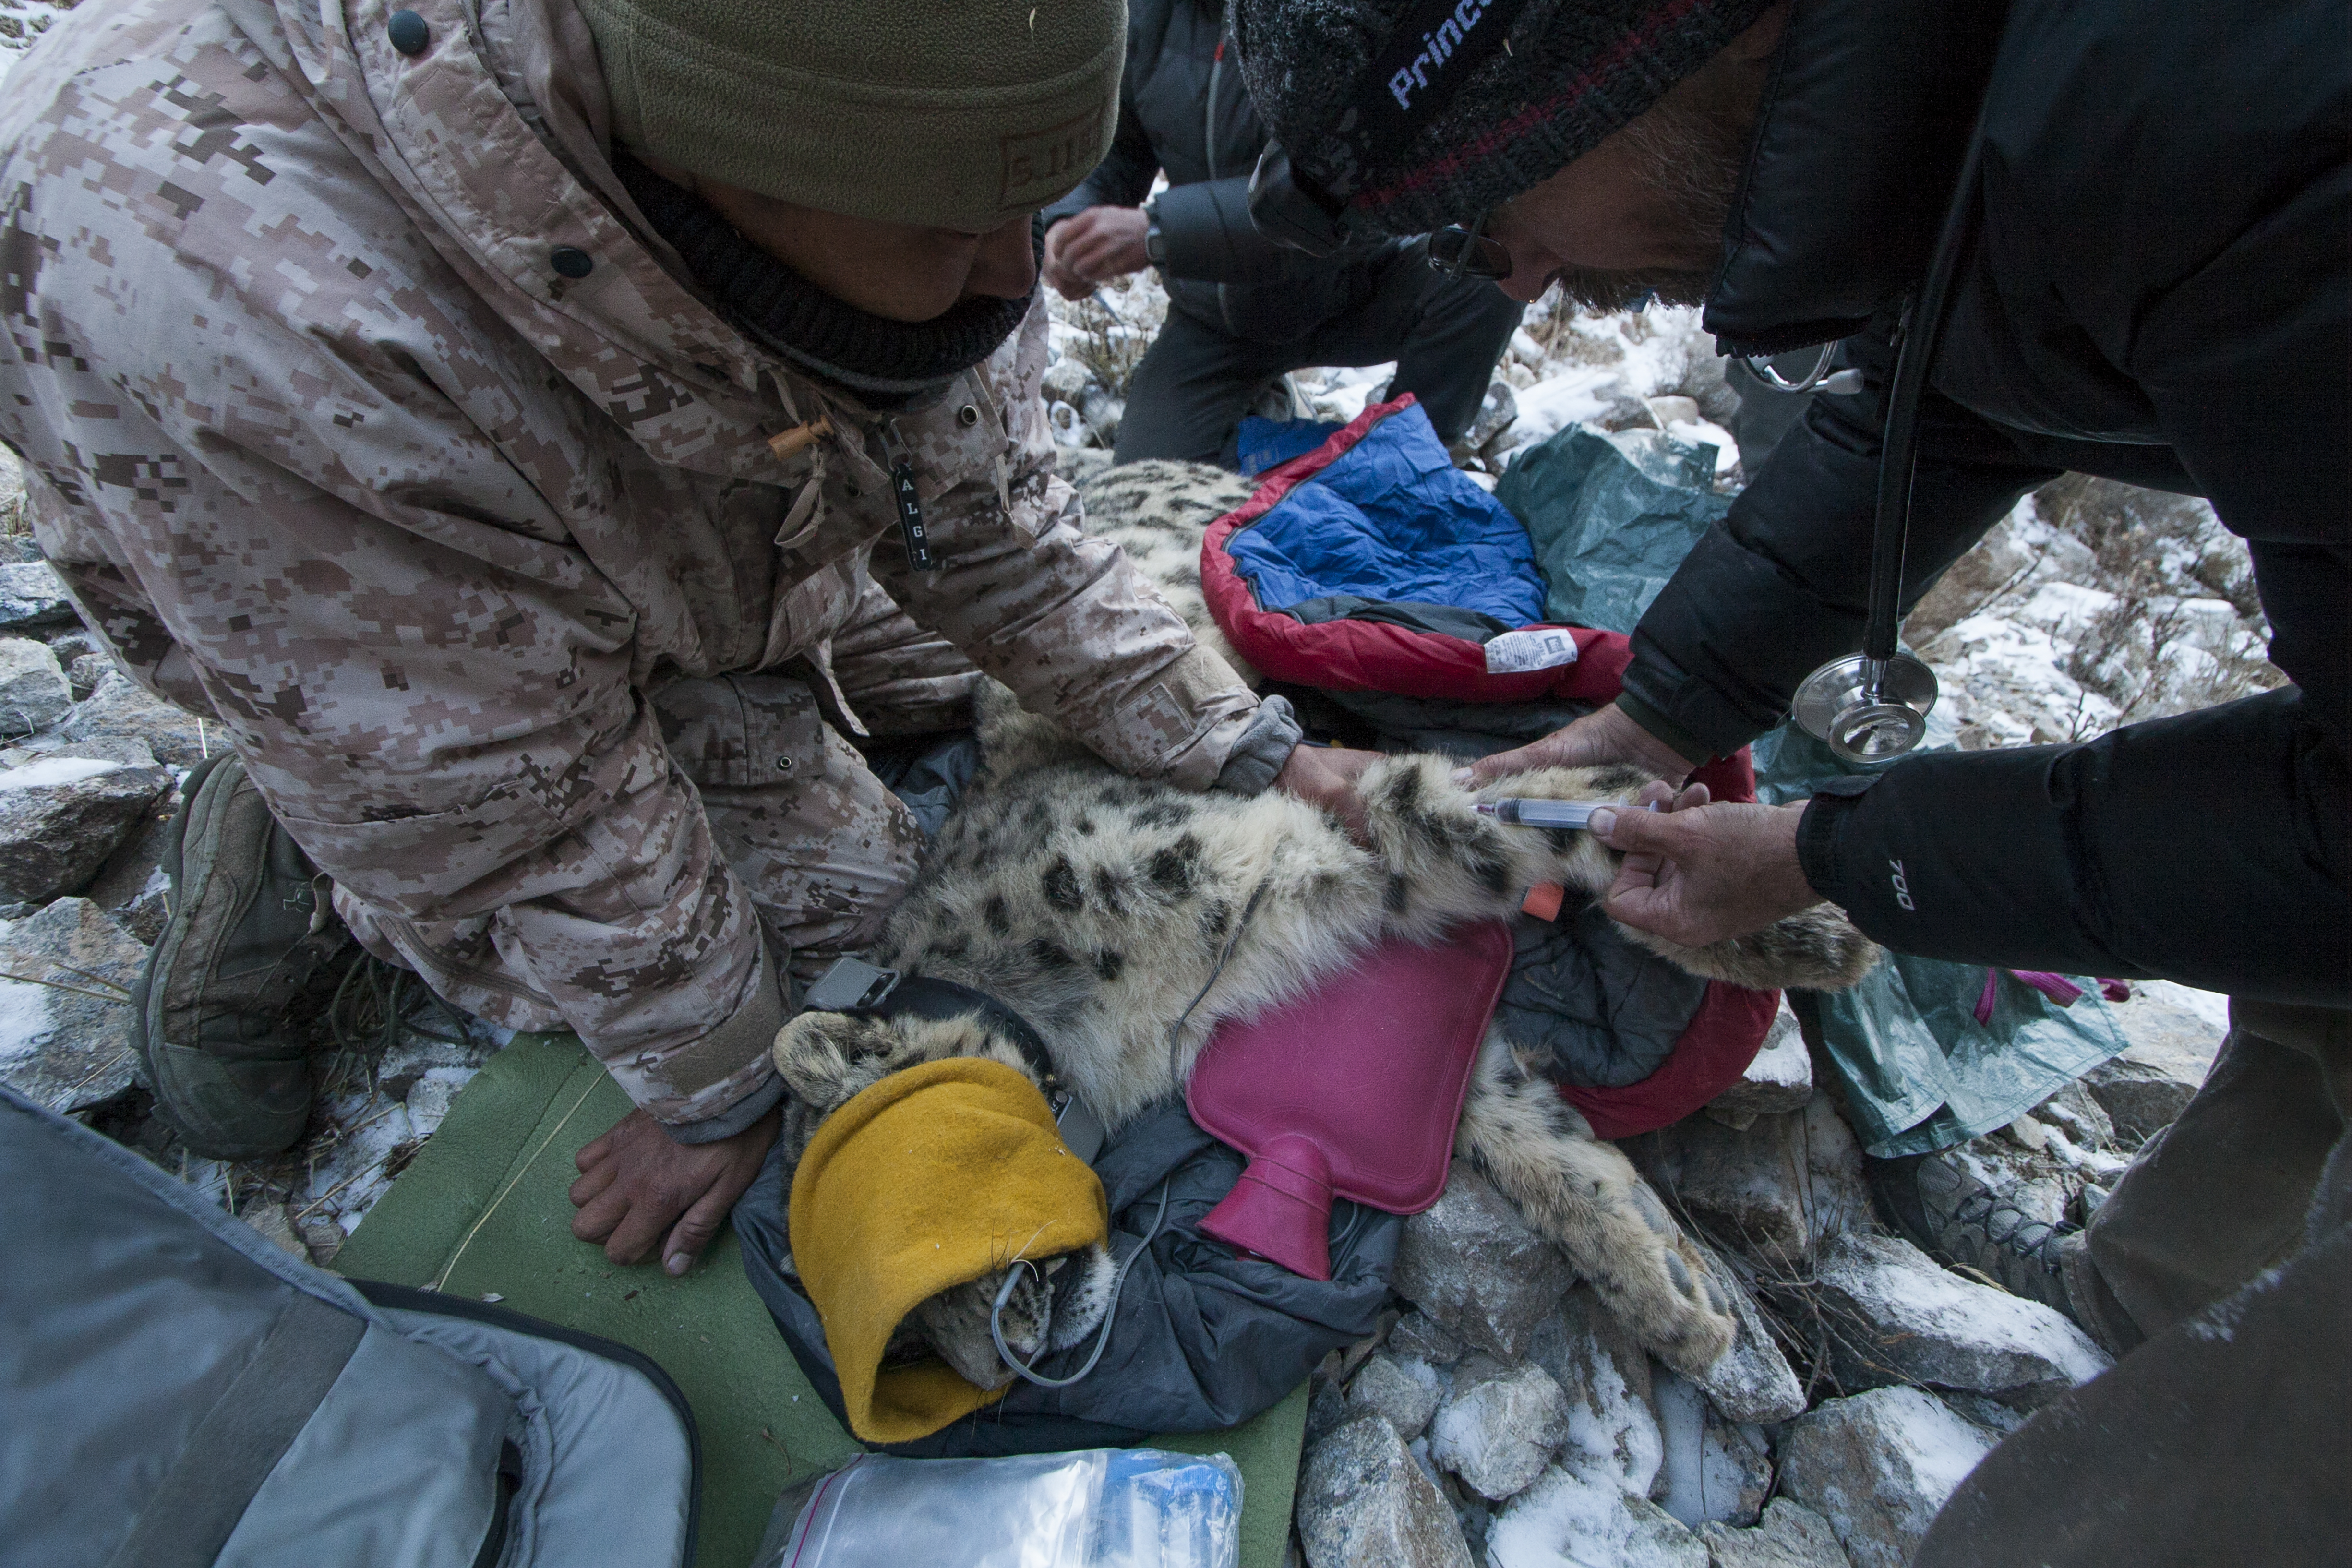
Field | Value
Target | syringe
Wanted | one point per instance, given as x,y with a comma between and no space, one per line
1523,812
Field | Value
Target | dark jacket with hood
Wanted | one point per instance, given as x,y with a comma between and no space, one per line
2159,292
1182,110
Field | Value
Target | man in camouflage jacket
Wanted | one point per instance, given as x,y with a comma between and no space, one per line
368,413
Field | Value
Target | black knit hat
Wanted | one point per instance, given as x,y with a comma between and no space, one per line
1420,113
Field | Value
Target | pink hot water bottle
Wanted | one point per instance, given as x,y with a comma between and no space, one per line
1351,1092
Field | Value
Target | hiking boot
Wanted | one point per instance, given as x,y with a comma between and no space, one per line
1959,1221
251,926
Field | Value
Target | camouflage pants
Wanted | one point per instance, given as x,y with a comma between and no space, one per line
822,846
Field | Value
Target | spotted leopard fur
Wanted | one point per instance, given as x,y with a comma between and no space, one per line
1098,907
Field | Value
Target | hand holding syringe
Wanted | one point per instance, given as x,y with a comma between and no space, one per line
1521,811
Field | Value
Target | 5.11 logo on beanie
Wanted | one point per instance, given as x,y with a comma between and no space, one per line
1436,46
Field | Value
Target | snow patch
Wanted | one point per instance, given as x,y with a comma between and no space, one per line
55,770
26,1021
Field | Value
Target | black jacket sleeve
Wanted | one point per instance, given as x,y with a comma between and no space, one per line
1782,585
1210,238
2208,848
1121,180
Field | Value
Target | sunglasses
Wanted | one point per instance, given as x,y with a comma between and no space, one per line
1471,252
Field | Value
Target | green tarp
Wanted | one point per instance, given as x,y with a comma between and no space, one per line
1611,517
481,1211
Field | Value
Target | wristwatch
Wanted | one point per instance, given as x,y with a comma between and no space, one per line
1155,244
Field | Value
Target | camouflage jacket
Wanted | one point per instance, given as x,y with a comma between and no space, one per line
330,441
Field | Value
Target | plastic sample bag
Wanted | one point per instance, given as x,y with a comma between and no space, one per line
1612,517
1103,1507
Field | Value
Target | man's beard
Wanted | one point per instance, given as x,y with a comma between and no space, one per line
1691,159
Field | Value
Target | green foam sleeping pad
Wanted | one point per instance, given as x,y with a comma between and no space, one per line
481,1211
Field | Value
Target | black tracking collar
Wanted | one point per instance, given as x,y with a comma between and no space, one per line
867,990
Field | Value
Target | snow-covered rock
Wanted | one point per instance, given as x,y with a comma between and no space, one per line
1568,1519
1472,1264
1363,1502
1779,1080
1499,1425
1901,1318
66,1043
117,707
1752,1381
1712,1469
33,691
1788,1537
1612,1427
1773,1189
1404,1388
1877,1466
61,816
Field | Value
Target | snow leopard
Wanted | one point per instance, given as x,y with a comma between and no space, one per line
1125,920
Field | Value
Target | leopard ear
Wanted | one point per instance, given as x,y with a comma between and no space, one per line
825,1057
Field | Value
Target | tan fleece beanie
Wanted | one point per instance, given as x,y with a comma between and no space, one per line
958,114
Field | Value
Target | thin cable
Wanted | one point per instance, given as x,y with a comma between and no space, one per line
1175,1076
1110,1313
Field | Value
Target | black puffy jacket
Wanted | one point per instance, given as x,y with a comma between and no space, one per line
1182,110
2160,293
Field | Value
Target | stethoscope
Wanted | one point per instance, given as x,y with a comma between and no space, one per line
1872,707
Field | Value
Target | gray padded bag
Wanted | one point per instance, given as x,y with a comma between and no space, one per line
177,1392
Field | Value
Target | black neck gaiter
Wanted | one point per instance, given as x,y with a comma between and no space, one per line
881,360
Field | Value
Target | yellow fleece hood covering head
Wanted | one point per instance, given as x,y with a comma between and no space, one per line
929,1179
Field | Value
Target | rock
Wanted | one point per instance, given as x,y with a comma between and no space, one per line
1499,1427
1751,1381
68,1048
1420,1335
322,1236
1773,1190
1066,379
1788,1537
416,1056
60,816
1364,1503
1899,1318
1405,1389
270,1220
1982,1410
119,707
31,596
34,692
1613,1425
84,673
2030,1133
1496,412
1568,1520
1714,1469
2147,1087
429,1098
128,750
1877,1466
130,884
75,643
1327,1409
1779,1080
1472,1264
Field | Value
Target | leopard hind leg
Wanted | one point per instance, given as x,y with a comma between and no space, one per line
1585,1198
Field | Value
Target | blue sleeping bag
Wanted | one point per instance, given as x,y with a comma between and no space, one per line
1392,519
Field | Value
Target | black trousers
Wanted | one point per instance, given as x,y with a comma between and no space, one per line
1197,380
2225,1438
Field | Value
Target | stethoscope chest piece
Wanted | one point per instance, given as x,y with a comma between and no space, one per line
1868,711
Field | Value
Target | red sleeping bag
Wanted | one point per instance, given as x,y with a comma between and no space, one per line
1355,653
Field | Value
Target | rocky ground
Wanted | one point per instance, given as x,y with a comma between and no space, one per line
1500,1416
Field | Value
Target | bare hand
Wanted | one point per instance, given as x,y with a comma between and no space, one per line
1696,873
636,1183
1605,735
1096,245
1326,776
